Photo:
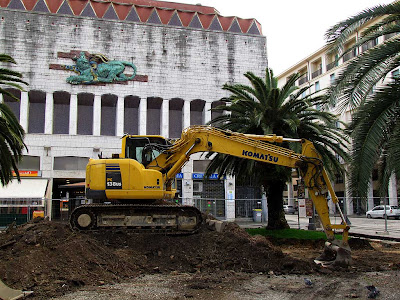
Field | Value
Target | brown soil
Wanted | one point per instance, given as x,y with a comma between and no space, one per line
51,260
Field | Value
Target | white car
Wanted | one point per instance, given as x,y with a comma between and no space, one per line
379,212
289,209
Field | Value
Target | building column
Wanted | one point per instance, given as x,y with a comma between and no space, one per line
48,123
370,195
348,197
290,192
187,184
207,112
331,205
323,62
97,115
143,116
165,118
230,198
393,190
119,126
186,114
24,110
73,114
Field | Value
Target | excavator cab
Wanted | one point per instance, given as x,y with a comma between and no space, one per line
144,149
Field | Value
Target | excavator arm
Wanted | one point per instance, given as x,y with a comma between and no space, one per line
264,149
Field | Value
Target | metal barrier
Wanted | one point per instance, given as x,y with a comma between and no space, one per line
243,208
19,210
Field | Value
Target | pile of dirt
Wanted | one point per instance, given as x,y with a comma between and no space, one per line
50,259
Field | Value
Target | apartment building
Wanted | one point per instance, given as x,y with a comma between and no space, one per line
318,71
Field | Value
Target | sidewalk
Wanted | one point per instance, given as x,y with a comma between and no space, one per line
360,226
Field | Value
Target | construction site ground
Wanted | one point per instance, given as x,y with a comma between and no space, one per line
56,263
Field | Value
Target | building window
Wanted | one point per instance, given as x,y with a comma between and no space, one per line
108,114
216,114
317,87
339,179
131,114
154,115
29,163
37,107
61,112
197,112
12,103
332,78
85,113
70,163
200,166
175,117
369,44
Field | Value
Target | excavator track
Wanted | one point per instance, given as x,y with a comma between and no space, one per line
163,219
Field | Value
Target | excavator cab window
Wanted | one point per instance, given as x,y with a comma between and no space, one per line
143,149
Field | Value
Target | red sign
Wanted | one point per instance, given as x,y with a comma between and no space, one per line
309,208
27,173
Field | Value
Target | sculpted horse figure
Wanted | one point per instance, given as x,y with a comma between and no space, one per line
98,68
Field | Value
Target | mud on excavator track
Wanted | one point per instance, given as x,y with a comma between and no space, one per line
164,219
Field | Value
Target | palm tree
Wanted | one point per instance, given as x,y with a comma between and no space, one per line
11,132
374,127
262,108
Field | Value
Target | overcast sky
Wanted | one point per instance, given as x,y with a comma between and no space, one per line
294,29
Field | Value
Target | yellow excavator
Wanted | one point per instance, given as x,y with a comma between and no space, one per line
126,187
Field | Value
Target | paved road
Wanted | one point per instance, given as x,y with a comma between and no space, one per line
362,225
359,225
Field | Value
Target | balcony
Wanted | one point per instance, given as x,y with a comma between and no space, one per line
331,65
389,36
316,73
349,56
303,80
369,45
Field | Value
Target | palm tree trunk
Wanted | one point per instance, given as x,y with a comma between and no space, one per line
276,216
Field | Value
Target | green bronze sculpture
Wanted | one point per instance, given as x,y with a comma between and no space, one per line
98,69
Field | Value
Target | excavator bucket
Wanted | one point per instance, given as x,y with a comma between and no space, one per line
7,293
335,254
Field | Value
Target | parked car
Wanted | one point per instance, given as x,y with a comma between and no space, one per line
379,212
289,209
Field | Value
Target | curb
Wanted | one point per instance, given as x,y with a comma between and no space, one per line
375,237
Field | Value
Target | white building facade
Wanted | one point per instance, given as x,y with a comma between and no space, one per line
183,54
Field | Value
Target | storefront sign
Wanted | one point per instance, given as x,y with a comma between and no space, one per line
179,176
23,173
201,176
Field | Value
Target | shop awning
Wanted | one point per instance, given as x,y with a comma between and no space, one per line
77,185
27,188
